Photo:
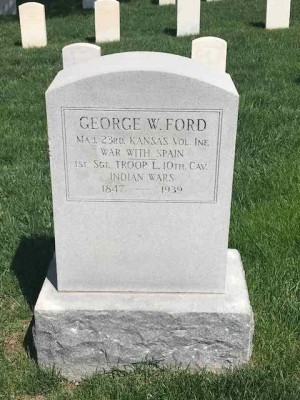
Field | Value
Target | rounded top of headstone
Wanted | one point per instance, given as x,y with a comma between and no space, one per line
81,44
151,62
211,40
31,4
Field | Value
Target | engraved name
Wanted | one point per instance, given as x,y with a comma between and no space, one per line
140,155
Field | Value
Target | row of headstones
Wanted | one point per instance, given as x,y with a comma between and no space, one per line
211,51
188,14
107,20
33,23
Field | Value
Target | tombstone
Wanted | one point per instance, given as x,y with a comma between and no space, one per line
142,150
278,14
88,4
188,17
77,53
211,51
33,25
8,7
107,21
166,2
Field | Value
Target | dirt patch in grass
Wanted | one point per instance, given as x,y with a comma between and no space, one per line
13,342
71,385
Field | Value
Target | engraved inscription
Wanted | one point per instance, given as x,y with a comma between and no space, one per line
141,155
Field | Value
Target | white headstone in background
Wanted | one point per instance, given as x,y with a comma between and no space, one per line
211,51
188,17
88,4
77,53
278,14
8,7
33,25
107,21
166,2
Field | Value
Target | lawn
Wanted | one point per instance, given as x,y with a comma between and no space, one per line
265,66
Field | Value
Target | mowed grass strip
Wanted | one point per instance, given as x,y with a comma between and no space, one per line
265,67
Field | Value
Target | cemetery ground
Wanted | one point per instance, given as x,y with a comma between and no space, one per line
265,66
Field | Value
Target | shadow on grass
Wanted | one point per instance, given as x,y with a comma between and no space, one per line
30,265
170,31
28,342
91,39
258,24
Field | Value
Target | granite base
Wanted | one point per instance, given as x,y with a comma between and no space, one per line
81,333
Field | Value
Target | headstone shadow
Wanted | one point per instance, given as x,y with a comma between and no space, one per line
28,342
91,39
258,24
170,31
30,265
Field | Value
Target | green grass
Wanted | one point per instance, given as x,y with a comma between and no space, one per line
265,66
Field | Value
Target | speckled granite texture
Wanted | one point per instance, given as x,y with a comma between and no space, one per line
81,333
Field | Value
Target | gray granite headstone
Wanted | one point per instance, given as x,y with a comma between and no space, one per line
88,3
142,150
8,7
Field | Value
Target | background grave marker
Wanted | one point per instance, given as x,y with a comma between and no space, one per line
166,2
88,4
188,17
8,7
278,14
211,51
33,25
107,21
77,53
